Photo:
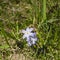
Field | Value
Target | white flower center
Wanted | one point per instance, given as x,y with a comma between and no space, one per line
27,32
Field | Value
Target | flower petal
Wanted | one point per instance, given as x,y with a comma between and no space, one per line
23,31
32,34
29,43
28,39
31,29
27,29
33,40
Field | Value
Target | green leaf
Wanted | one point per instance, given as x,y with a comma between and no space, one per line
5,46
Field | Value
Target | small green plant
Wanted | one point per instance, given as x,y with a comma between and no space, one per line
43,32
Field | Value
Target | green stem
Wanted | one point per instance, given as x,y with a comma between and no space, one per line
17,30
43,13
44,10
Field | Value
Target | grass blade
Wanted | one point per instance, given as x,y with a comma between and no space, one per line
44,10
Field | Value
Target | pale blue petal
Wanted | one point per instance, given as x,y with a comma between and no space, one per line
23,31
29,44
27,29
31,29
32,34
28,39
33,40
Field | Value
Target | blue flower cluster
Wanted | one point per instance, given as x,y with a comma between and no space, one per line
30,36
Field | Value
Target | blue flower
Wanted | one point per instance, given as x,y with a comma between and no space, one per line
29,35
32,41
